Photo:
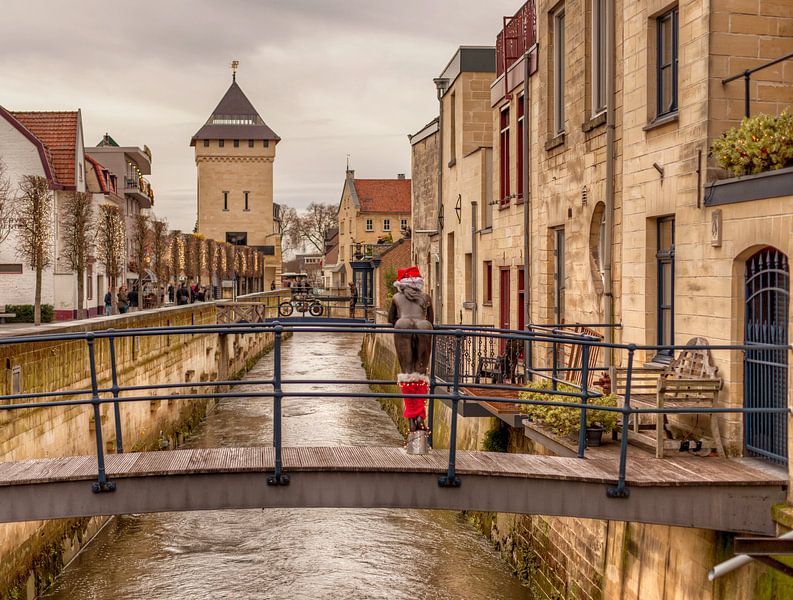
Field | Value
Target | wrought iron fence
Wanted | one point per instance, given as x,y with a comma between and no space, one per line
451,343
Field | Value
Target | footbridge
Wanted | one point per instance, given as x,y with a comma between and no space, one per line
712,493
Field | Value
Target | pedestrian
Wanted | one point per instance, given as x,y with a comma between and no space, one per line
122,300
109,302
170,293
134,298
199,294
353,298
272,284
182,295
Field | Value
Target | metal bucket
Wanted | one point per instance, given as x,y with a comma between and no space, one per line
417,442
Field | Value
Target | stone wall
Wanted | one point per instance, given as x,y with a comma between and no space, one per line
585,559
424,190
32,553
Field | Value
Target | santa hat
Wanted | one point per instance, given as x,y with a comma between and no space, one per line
410,277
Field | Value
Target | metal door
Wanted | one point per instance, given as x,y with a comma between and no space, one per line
765,371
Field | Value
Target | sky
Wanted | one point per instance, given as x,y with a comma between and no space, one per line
330,77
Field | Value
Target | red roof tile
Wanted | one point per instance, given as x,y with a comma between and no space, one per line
101,174
58,133
383,195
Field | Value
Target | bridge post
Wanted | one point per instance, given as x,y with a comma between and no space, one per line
101,484
278,477
451,479
621,491
584,399
554,361
116,408
431,416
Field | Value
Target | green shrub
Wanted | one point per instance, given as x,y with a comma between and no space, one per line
565,421
758,144
24,313
496,439
389,276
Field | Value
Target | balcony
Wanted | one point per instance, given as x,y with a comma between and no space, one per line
518,35
140,189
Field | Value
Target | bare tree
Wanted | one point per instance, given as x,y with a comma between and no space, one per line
34,220
78,234
160,254
141,237
315,223
6,204
290,238
111,244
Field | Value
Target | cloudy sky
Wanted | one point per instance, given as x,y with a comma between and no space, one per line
331,77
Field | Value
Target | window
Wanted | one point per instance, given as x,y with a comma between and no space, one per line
558,71
598,56
89,280
245,194
487,205
11,269
250,143
341,227
206,143
665,264
236,143
519,141
386,224
666,63
504,149
488,273
238,238
369,225
266,143
403,224
221,143
558,275
452,130
521,298
80,169
225,200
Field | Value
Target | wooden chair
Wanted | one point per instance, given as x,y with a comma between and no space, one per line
689,381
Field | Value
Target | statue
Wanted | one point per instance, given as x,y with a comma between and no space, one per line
411,309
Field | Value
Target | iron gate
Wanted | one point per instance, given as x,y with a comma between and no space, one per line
765,371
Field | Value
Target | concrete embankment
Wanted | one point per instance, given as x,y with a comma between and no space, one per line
33,553
585,559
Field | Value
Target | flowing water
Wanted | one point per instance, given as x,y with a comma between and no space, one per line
305,553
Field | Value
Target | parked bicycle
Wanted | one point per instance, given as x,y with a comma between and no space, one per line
303,304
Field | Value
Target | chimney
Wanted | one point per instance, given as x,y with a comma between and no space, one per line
400,175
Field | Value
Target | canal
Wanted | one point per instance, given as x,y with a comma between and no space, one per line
307,553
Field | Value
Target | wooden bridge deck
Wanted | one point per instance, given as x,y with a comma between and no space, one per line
733,495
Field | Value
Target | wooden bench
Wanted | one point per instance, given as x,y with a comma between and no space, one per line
4,316
689,381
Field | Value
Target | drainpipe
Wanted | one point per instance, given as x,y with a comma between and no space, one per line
608,292
474,262
440,85
527,349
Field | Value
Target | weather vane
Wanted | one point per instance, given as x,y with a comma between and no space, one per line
234,66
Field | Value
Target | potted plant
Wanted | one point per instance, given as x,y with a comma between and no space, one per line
566,421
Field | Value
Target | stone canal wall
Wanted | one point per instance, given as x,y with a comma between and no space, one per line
585,559
32,553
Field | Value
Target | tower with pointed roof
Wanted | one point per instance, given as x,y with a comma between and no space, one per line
234,154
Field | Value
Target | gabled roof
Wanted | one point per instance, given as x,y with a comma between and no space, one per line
44,154
383,195
58,132
107,141
102,175
235,118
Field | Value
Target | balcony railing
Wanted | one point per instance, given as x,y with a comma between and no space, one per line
139,185
519,33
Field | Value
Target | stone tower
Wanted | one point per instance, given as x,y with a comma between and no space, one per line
234,154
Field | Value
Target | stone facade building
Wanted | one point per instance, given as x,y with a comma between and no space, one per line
234,154
371,212
424,201
611,211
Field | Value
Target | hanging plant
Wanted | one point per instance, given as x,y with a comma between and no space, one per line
759,144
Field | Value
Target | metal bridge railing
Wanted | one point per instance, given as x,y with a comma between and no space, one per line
441,388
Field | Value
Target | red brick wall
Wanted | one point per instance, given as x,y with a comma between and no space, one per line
398,257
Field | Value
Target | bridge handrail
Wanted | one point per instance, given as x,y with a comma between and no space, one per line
579,395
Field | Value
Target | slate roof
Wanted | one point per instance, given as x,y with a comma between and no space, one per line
383,195
235,106
57,130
